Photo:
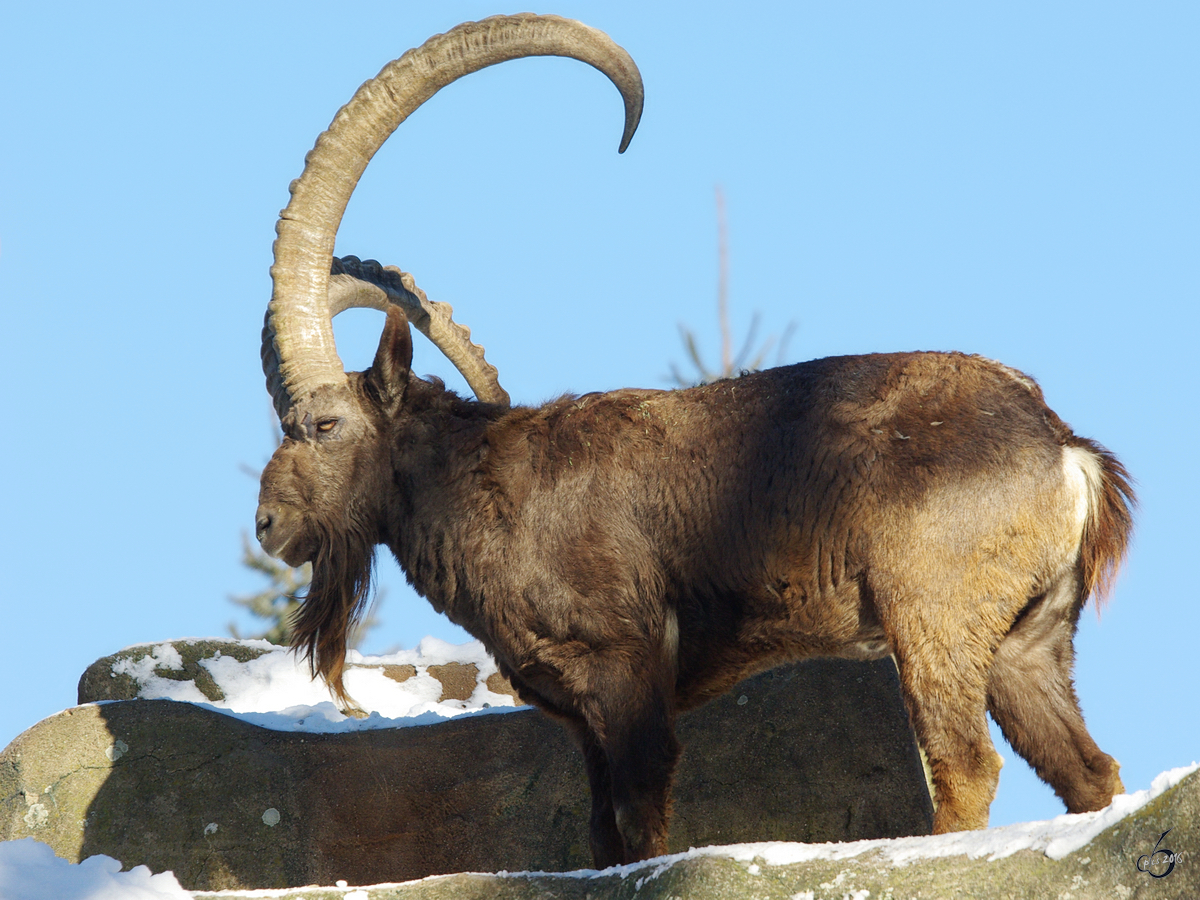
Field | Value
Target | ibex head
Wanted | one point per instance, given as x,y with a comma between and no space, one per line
318,496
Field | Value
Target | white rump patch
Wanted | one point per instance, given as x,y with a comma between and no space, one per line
1084,478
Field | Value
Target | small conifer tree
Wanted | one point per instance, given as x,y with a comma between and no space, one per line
745,360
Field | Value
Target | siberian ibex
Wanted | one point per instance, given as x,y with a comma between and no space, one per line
628,555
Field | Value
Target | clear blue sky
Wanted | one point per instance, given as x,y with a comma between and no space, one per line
1020,180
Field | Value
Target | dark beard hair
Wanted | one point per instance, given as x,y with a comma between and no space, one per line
337,597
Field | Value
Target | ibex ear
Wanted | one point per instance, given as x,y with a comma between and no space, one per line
388,374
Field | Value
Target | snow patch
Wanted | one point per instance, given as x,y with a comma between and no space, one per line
29,870
276,690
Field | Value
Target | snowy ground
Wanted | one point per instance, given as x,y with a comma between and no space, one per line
275,692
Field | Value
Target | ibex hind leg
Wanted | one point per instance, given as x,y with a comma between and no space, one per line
943,656
1032,697
947,705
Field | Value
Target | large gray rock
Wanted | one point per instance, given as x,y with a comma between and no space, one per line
814,752
1107,867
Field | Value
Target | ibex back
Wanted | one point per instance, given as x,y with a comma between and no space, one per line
628,555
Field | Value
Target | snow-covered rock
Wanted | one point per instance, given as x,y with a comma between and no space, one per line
242,772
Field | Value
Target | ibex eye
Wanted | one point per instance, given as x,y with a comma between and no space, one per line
326,425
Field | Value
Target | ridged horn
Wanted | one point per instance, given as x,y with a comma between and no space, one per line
299,354
355,283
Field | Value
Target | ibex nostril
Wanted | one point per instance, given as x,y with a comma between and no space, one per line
262,525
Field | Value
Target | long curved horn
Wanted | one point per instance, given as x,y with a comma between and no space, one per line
358,284
302,355
355,283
